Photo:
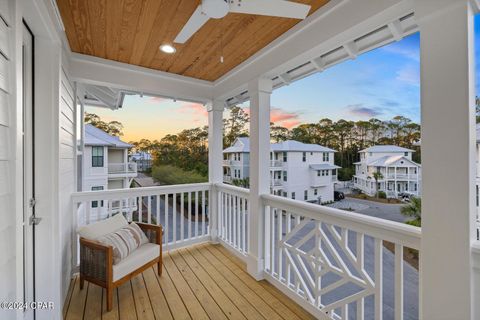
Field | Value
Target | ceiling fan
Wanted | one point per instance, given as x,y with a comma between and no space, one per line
217,9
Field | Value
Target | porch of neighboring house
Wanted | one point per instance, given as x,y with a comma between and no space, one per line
203,281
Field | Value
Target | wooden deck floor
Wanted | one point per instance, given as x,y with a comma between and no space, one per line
199,282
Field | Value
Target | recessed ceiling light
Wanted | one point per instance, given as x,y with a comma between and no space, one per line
167,48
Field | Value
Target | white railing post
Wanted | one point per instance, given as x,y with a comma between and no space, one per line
259,91
448,207
215,161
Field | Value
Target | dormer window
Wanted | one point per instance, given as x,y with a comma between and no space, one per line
406,154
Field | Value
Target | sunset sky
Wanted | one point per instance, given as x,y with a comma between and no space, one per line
382,83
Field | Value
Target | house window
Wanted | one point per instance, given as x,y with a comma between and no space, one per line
284,157
284,175
97,157
293,195
315,192
284,194
326,157
415,186
95,203
304,156
318,173
406,154
305,195
477,196
334,172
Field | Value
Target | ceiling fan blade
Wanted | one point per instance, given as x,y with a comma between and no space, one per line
196,21
274,8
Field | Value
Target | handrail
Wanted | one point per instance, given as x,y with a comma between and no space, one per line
238,191
400,233
134,192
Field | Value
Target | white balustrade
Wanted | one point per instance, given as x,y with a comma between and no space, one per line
122,168
182,210
233,215
332,261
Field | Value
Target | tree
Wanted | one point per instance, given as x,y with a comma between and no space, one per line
278,133
377,176
235,125
413,210
114,128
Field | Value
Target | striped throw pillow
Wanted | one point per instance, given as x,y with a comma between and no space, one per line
124,241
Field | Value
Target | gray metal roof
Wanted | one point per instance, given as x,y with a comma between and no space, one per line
97,137
386,149
243,145
390,160
323,166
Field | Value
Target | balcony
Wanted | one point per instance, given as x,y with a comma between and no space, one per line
128,169
402,176
227,162
227,179
343,249
276,183
276,164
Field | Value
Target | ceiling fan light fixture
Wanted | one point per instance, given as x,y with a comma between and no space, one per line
167,48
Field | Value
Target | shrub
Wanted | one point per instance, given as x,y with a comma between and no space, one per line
167,174
382,195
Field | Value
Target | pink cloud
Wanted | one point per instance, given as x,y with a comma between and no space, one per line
194,108
156,99
289,124
281,117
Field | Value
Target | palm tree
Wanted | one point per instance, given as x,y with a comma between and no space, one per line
377,176
414,210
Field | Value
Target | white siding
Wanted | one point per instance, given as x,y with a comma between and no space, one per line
66,173
7,213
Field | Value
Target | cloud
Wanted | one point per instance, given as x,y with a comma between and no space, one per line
359,110
411,53
156,99
390,103
197,110
409,74
281,117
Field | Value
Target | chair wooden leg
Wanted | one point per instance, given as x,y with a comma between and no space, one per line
159,265
109,298
81,282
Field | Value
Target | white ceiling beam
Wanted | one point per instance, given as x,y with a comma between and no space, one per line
396,29
318,63
286,78
339,21
351,49
122,76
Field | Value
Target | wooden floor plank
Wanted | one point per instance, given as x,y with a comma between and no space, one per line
142,301
199,282
212,286
69,296
112,314
159,303
126,303
270,292
77,302
219,278
93,306
209,304
177,307
251,295
193,306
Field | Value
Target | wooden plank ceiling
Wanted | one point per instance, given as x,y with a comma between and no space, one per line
131,31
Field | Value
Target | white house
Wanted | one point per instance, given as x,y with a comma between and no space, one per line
105,161
297,170
142,159
399,174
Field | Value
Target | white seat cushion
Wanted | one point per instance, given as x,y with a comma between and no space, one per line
101,228
142,255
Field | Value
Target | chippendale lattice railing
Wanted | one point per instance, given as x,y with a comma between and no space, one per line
337,263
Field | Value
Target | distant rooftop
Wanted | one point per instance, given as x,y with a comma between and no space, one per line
386,148
98,137
243,145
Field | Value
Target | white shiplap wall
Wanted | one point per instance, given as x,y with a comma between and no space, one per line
67,118
7,127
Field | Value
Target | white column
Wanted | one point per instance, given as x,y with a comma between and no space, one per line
215,160
259,91
448,207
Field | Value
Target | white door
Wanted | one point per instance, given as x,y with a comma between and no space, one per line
28,175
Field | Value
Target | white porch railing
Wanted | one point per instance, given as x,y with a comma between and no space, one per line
182,210
121,168
330,261
334,262
233,209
